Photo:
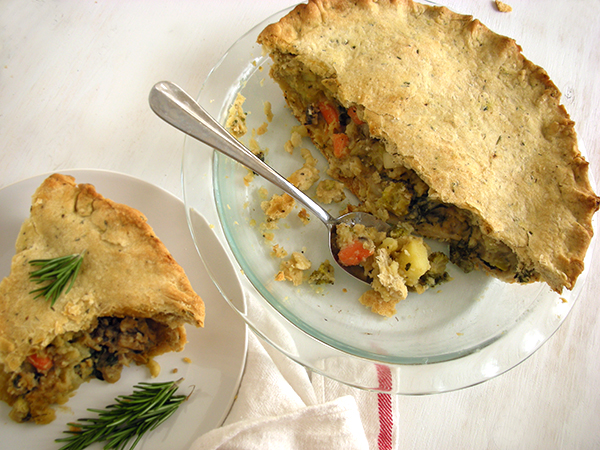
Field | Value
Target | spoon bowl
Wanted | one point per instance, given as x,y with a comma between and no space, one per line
179,109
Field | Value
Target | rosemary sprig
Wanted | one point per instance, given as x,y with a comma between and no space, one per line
130,417
57,272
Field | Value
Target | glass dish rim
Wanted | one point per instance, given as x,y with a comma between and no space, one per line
467,353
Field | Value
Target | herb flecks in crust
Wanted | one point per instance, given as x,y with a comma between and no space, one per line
429,117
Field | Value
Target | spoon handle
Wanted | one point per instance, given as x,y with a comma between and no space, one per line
176,107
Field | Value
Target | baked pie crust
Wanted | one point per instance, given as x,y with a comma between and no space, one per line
129,302
443,124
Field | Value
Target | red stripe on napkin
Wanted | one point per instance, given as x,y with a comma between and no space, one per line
384,404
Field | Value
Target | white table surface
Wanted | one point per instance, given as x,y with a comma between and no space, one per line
74,82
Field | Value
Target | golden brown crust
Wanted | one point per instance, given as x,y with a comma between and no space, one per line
462,107
126,272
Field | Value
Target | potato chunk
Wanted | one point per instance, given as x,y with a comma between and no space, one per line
413,260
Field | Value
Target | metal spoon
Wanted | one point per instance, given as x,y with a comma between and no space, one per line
177,108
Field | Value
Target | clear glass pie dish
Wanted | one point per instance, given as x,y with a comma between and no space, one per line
461,333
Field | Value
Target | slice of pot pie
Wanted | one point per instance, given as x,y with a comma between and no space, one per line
432,119
128,303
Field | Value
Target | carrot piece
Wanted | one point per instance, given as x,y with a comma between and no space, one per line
330,113
354,116
353,254
41,363
340,145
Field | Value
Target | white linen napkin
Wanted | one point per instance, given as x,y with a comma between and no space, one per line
281,406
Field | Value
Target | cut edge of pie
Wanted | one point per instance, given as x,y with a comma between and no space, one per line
429,117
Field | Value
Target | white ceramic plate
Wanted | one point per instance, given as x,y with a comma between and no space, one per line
217,351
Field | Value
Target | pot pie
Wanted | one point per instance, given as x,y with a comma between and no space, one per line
128,303
431,119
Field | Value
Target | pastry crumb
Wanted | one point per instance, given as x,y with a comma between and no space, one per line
262,129
373,300
278,252
263,193
293,268
236,120
154,368
330,191
301,130
249,178
308,174
304,216
289,147
298,132
255,148
278,207
268,112
503,7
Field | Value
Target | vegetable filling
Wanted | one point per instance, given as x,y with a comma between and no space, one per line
53,374
385,187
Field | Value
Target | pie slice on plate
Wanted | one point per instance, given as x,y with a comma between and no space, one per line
430,118
128,303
